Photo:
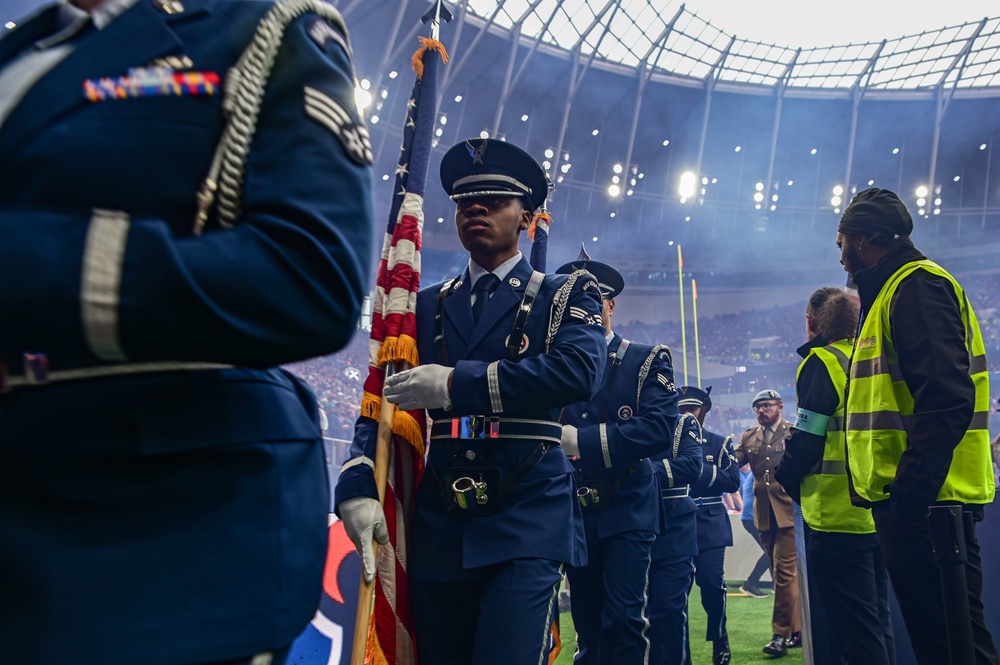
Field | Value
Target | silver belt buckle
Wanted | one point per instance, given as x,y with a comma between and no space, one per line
475,427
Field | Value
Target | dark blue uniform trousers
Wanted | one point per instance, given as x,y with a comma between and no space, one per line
669,583
710,575
496,618
609,600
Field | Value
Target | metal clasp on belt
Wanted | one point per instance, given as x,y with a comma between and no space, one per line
463,486
475,427
588,496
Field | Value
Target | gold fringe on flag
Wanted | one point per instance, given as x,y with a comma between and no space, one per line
403,424
398,349
373,652
539,216
426,44
371,406
406,426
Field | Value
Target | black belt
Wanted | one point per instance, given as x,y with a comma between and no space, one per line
676,493
707,500
490,427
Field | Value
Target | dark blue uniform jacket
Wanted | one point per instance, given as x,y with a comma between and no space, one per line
169,516
542,518
677,468
629,419
719,474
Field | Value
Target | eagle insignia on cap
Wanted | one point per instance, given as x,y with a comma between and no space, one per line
477,154
514,281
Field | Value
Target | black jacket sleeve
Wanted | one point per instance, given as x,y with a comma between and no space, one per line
816,393
929,335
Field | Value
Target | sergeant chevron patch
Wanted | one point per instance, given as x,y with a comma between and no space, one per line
667,383
352,135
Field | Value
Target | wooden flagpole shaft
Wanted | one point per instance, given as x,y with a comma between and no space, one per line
366,593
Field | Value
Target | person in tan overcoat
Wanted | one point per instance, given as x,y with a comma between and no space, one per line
762,448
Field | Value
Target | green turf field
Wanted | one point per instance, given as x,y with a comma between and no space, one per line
749,625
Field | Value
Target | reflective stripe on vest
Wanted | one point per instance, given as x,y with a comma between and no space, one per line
826,498
879,404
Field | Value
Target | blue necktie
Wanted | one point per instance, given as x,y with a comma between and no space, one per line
484,287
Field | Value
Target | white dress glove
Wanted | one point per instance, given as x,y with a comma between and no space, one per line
364,518
569,442
423,387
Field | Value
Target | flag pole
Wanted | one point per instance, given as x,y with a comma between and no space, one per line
680,284
694,313
366,594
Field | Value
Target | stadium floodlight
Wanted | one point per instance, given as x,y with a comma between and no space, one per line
444,119
921,212
871,182
791,182
565,167
895,151
921,192
666,142
458,98
759,187
704,180
524,118
738,148
687,186
937,201
835,201
594,238
758,197
484,134
813,151
957,178
774,198
615,179
373,120
362,97
838,190
921,202
549,153
595,132
614,190
393,74
546,165
982,146
617,168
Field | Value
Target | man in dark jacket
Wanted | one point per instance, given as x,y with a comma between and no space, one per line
917,410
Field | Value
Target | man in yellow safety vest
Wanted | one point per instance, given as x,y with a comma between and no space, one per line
845,567
917,411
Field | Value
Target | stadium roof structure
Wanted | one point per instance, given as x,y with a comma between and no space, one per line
677,44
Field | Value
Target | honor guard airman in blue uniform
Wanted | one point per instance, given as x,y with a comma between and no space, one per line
496,516
719,474
611,436
163,490
675,548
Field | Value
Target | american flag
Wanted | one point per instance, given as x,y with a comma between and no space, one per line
538,233
394,340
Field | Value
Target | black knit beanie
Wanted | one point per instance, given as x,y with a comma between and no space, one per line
876,212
